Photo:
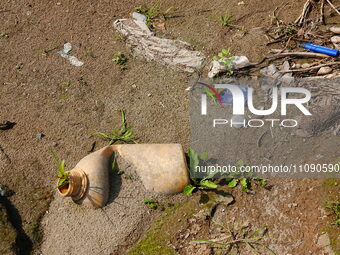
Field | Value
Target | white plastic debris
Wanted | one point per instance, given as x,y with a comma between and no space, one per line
67,48
237,63
64,53
141,41
138,16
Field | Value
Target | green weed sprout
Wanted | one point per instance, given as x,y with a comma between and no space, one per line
63,177
224,59
149,13
244,180
225,20
119,58
124,134
197,184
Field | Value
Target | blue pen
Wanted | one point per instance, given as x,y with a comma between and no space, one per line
320,49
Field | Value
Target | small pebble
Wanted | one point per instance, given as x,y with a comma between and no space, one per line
336,42
335,39
134,86
40,136
19,66
335,30
324,70
305,65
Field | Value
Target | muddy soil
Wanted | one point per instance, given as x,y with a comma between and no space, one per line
109,230
43,93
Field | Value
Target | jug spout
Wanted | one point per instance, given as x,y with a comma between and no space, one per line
76,186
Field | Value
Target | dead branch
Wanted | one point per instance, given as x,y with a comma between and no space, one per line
322,14
300,54
305,11
310,68
335,9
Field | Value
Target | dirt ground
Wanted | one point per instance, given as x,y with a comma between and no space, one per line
43,93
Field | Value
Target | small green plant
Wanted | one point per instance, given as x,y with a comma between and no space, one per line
124,134
4,35
238,237
224,59
194,160
118,36
335,208
63,177
244,179
152,204
225,19
119,58
150,13
113,165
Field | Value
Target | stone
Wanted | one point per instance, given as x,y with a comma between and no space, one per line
335,39
269,71
336,42
40,136
305,65
335,30
323,240
285,66
324,70
5,191
225,199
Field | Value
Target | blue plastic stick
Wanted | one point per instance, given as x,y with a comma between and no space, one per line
320,49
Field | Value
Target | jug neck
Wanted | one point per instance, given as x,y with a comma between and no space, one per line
76,186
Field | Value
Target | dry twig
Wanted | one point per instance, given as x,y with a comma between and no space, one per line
335,9
322,15
310,68
305,11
